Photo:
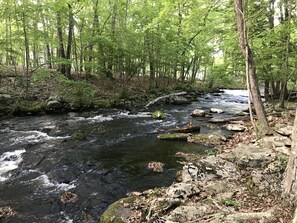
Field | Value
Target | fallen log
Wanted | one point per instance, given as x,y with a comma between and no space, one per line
230,119
164,97
187,129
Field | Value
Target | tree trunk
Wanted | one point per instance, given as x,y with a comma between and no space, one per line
61,50
290,180
89,68
251,68
69,42
266,90
27,52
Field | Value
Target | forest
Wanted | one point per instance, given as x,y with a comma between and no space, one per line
148,111
185,41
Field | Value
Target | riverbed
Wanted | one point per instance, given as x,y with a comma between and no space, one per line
40,160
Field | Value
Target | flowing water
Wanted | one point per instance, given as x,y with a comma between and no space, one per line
39,160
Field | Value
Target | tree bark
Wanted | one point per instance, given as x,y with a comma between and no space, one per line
251,68
69,42
290,175
61,50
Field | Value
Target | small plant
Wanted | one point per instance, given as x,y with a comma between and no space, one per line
78,135
77,93
158,115
231,203
156,193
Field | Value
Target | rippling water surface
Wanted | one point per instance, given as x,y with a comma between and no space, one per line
39,160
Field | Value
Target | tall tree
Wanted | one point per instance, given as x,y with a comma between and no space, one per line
290,180
242,30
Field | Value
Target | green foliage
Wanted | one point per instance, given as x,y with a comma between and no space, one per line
124,94
46,75
158,115
78,135
180,40
77,93
231,203
156,193
29,107
283,161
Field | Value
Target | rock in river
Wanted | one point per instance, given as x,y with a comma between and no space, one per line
235,127
216,110
198,113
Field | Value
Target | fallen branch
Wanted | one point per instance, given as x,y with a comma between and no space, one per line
164,97
188,129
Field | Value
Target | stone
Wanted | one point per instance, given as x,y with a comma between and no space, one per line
6,212
209,139
54,105
118,212
257,177
216,110
283,149
221,187
198,113
155,166
209,168
285,130
276,141
236,127
68,197
182,190
250,155
189,213
190,173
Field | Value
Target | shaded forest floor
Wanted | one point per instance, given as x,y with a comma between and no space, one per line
47,91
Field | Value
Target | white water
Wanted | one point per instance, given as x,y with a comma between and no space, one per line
95,119
34,137
10,161
44,181
137,115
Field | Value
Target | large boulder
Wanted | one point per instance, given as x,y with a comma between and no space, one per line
118,212
189,213
209,168
253,156
54,105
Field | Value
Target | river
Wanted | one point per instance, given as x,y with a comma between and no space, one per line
39,160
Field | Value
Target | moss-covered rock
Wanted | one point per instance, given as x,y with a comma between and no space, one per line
208,139
78,135
118,211
158,115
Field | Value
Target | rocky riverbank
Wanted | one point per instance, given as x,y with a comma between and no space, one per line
240,182
47,92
